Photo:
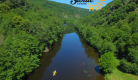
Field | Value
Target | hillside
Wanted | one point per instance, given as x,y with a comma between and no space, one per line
66,9
70,13
113,31
25,29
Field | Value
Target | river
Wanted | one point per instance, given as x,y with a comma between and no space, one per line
71,57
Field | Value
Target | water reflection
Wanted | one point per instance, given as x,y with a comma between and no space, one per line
97,69
71,57
45,62
90,51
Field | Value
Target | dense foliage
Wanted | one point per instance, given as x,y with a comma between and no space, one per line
113,29
25,29
107,62
70,13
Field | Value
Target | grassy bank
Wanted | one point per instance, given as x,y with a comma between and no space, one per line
119,75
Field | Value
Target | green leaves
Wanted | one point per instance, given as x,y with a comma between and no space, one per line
125,66
130,7
117,4
25,24
15,3
4,8
22,24
134,39
20,56
50,42
27,29
107,62
133,55
113,29
132,16
128,67
17,20
107,46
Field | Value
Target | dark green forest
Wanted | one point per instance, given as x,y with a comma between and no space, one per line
113,31
70,13
26,27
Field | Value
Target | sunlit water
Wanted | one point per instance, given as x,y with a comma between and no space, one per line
72,58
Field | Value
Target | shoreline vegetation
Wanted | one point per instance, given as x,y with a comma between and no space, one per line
113,32
26,28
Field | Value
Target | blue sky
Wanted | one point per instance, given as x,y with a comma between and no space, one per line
82,6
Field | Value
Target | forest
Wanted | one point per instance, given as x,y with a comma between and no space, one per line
113,31
26,27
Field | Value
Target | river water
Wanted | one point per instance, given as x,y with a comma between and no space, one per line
71,57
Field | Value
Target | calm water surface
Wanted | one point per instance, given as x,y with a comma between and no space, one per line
72,58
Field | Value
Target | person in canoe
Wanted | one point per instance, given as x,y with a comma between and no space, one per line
54,73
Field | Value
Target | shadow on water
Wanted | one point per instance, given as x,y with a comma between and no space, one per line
45,61
72,57
97,69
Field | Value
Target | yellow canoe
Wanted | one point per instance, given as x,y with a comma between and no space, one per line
54,73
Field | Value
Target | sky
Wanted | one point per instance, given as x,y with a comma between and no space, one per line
83,5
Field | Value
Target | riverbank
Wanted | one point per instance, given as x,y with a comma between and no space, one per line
119,75
24,37
112,31
116,73
79,62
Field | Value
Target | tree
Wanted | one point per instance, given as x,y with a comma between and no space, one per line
132,16
117,4
134,39
133,55
107,62
4,8
19,56
125,66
